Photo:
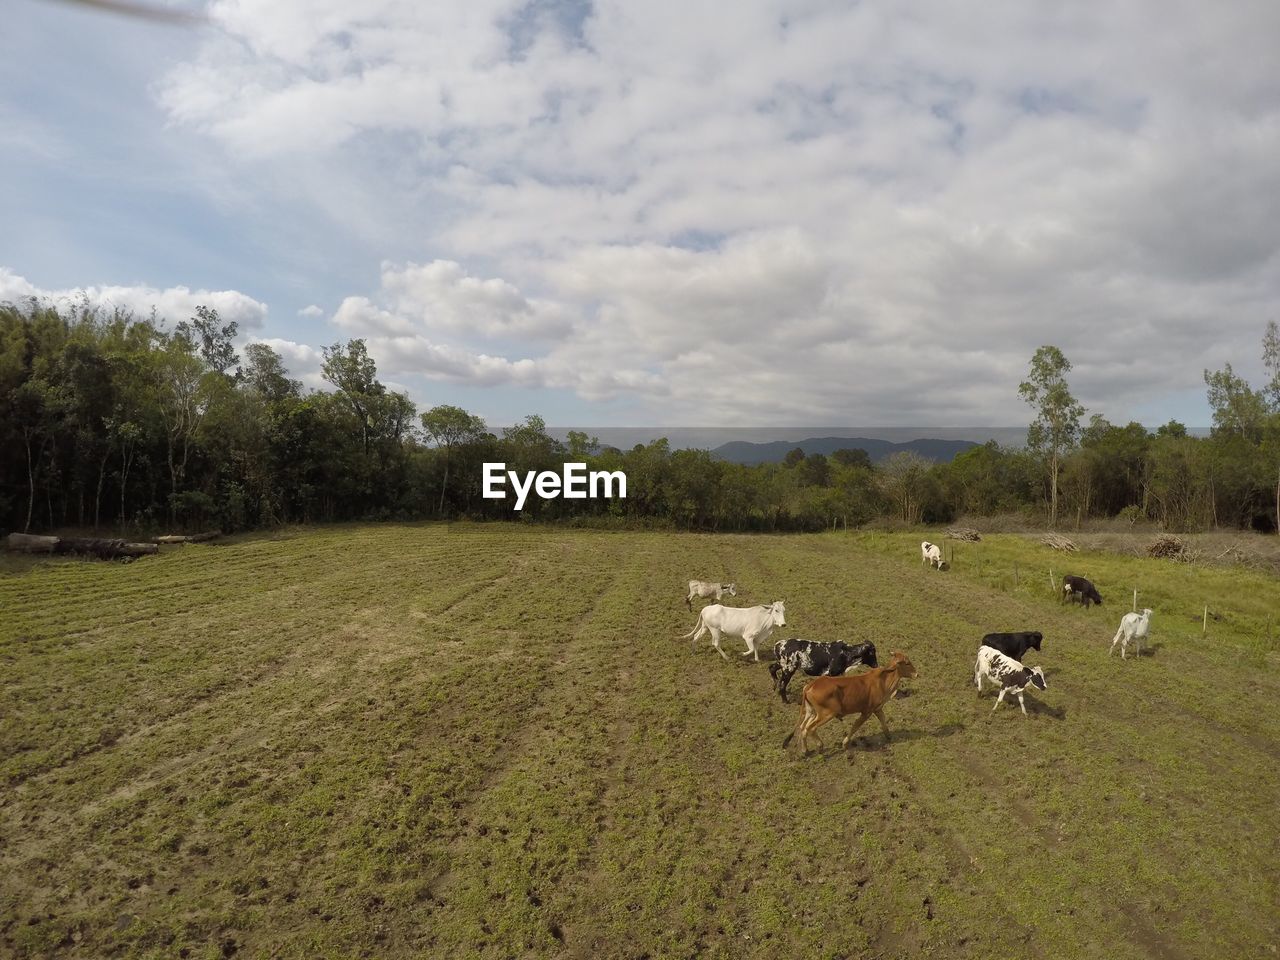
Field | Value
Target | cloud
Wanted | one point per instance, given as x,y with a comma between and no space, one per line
173,304
311,312
816,211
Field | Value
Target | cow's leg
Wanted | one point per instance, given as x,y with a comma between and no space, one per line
1022,703
715,641
819,718
977,678
860,721
750,640
1003,691
701,632
783,680
883,723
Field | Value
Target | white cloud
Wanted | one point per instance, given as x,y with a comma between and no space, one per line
816,211
311,312
173,304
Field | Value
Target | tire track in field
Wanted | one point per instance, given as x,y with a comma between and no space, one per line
235,684
534,728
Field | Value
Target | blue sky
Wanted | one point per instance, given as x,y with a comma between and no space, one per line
612,214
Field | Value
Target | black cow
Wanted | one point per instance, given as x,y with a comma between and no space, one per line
1080,590
817,660
1013,645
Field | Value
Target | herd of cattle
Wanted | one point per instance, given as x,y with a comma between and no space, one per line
836,693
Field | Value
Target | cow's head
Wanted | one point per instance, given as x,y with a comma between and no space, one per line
731,589
869,655
1035,639
906,669
1038,680
1146,612
778,611
943,565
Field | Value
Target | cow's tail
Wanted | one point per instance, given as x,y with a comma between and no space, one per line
804,716
696,631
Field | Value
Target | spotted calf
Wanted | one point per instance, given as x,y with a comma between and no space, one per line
1007,674
817,660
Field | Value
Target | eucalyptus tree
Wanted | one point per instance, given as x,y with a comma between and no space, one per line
448,427
1056,427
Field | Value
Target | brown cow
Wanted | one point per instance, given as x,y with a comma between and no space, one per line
837,697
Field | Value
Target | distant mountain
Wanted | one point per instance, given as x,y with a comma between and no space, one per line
739,451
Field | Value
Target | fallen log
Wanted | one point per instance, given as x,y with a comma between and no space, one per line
30,543
188,537
105,549
94,546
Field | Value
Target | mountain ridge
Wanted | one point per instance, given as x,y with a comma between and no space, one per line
745,452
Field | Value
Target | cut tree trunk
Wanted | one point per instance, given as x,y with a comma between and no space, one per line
30,543
95,546
188,538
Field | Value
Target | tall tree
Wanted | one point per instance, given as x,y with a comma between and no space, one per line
1238,409
213,338
1057,424
449,426
904,478
354,373
183,401
1271,360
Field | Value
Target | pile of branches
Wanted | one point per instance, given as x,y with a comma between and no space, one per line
1058,542
964,533
1169,547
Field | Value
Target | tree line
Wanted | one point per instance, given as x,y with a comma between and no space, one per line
117,422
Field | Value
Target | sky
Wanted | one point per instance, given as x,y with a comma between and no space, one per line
677,214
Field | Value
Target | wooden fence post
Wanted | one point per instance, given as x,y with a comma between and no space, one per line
1135,599
1204,626
1015,574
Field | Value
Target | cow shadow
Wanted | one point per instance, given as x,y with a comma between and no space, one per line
874,742
1040,708
1034,706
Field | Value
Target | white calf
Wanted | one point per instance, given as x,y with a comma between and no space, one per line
1135,627
701,588
932,553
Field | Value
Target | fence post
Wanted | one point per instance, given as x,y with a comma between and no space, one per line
1204,626
1135,599
1015,574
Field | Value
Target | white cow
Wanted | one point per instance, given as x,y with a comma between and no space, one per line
1135,627
701,588
932,553
752,625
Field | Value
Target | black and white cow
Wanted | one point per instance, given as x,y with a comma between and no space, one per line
1080,590
817,660
1007,674
1013,645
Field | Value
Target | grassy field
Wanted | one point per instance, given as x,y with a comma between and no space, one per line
402,741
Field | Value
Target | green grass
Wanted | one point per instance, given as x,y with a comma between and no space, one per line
1243,604
422,740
